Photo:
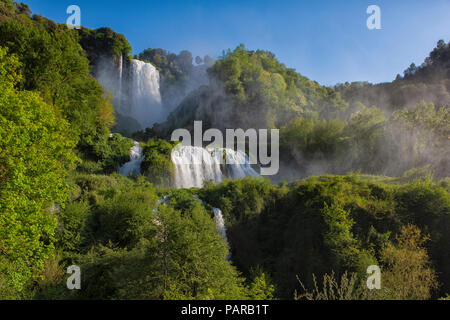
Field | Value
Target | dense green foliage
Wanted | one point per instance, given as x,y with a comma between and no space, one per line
54,64
129,250
407,274
370,142
327,224
107,154
35,155
320,132
49,106
174,68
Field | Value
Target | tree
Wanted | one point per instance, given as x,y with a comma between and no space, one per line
412,69
6,7
192,258
35,154
157,165
424,135
159,253
208,61
55,65
407,273
366,129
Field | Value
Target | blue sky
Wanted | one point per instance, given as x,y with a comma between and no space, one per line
325,40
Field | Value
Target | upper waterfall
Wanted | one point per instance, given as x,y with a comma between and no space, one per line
135,86
119,94
145,98
220,223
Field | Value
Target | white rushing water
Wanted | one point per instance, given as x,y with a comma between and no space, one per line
133,167
145,104
119,94
220,223
194,165
238,164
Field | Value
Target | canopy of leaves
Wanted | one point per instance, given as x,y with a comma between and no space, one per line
35,155
131,248
252,89
103,42
369,142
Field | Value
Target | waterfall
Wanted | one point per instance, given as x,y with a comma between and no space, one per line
133,167
120,82
145,98
220,223
194,165
135,86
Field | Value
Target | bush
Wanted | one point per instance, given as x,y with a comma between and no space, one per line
126,218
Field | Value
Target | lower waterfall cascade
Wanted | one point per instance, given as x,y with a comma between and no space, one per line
220,223
194,165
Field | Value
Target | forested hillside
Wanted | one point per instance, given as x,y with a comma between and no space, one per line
55,117
324,130
253,90
179,74
364,177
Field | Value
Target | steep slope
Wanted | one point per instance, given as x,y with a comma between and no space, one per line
252,89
